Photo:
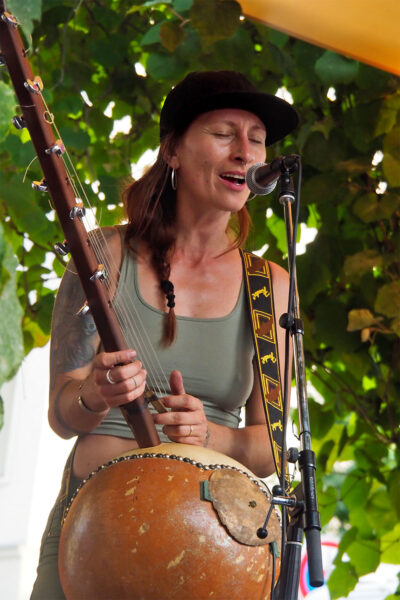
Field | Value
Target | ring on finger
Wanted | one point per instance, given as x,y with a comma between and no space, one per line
135,383
190,431
109,378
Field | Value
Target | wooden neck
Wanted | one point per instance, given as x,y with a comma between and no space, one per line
136,413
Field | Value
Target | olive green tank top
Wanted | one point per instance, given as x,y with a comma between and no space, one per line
214,355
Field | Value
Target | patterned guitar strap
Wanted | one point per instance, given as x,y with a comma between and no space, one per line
262,313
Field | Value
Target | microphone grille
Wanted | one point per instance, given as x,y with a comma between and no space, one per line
254,186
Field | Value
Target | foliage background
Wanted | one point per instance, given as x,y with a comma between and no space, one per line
349,278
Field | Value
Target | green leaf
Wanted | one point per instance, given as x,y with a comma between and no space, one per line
172,35
371,207
394,490
11,346
391,169
342,580
390,546
215,19
364,555
380,512
24,210
388,299
387,116
181,6
395,326
357,264
152,36
354,491
327,501
26,14
7,108
358,318
164,66
333,68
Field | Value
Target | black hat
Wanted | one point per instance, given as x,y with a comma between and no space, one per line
202,91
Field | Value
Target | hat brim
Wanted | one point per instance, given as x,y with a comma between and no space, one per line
278,116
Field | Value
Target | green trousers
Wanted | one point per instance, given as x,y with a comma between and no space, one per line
47,585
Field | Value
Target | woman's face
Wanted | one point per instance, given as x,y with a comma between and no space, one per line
212,158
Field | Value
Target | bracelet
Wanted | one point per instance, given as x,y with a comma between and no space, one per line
84,407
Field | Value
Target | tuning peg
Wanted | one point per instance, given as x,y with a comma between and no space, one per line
98,274
83,310
40,186
9,18
19,122
58,148
78,210
61,248
36,86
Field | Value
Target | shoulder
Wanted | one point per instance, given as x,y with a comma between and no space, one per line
279,275
108,245
280,285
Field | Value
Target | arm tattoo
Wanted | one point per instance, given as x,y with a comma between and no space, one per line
74,338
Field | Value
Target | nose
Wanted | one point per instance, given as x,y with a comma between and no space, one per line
242,150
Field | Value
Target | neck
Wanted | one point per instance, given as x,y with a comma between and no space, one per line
201,239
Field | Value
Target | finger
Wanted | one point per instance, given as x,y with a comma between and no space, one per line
183,403
129,384
106,360
176,383
175,419
126,397
120,373
180,431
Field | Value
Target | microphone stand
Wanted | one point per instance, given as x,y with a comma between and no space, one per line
303,511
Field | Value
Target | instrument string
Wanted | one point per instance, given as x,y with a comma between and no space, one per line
125,309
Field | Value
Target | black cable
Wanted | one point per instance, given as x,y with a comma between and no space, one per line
286,387
273,576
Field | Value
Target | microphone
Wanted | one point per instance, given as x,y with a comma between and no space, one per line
261,178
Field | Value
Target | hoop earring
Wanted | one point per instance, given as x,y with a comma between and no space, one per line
173,179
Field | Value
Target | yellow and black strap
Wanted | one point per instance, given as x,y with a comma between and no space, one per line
262,314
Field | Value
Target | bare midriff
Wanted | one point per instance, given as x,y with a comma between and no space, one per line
95,450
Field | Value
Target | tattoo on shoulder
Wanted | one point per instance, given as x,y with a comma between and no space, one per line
74,338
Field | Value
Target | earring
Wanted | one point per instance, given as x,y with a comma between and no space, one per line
173,179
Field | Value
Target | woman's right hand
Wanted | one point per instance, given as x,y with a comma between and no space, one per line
116,378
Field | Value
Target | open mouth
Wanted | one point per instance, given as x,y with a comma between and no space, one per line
233,178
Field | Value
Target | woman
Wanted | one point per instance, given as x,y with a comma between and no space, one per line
180,260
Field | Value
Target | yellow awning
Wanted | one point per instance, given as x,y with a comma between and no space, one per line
366,30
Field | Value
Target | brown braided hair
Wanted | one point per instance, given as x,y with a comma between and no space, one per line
151,210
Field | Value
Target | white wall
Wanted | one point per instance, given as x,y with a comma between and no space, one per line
31,462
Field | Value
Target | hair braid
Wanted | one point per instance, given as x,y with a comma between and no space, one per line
151,210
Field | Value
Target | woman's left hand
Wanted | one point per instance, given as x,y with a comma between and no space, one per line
185,422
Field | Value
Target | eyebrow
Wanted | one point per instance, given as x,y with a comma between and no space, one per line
233,124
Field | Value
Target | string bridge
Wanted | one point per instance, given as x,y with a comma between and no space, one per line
151,398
